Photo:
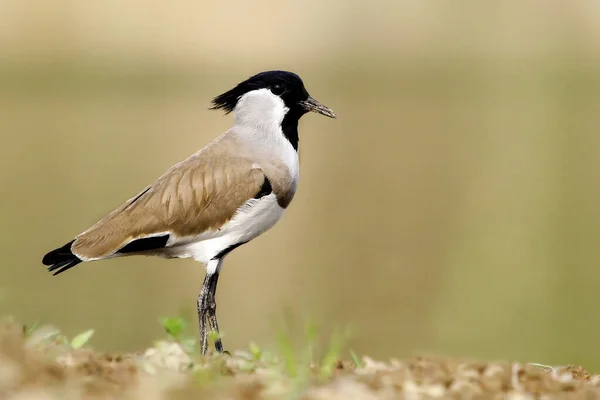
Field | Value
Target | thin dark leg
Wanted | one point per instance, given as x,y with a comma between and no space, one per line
202,300
207,312
212,312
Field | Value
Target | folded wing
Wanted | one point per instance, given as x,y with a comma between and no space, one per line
192,198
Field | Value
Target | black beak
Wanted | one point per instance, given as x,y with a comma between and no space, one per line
311,104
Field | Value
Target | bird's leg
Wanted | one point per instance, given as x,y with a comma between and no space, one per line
207,312
212,312
202,311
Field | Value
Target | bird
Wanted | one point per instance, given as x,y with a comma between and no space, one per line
229,192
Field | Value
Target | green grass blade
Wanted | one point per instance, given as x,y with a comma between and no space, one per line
80,340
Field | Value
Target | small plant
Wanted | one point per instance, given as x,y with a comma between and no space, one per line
338,341
288,355
300,366
174,326
255,351
81,340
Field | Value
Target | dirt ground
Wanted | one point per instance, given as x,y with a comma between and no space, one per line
32,367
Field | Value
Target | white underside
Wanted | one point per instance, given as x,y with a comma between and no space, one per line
252,219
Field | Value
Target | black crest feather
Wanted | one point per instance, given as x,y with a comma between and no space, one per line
226,101
295,90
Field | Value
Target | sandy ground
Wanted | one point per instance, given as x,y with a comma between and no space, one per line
33,367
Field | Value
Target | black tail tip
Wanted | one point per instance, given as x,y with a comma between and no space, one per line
63,266
61,259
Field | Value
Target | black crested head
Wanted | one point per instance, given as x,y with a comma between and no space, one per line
284,84
289,87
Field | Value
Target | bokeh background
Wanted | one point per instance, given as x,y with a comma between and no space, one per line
453,207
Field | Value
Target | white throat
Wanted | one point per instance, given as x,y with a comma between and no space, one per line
260,109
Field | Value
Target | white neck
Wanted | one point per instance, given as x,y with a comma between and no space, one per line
260,109
258,117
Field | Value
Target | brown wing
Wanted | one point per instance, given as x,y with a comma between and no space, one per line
201,193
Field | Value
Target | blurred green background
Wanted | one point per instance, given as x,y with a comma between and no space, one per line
452,208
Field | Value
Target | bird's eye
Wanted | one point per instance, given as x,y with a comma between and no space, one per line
277,89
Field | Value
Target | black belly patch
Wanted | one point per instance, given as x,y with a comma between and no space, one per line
265,189
145,244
